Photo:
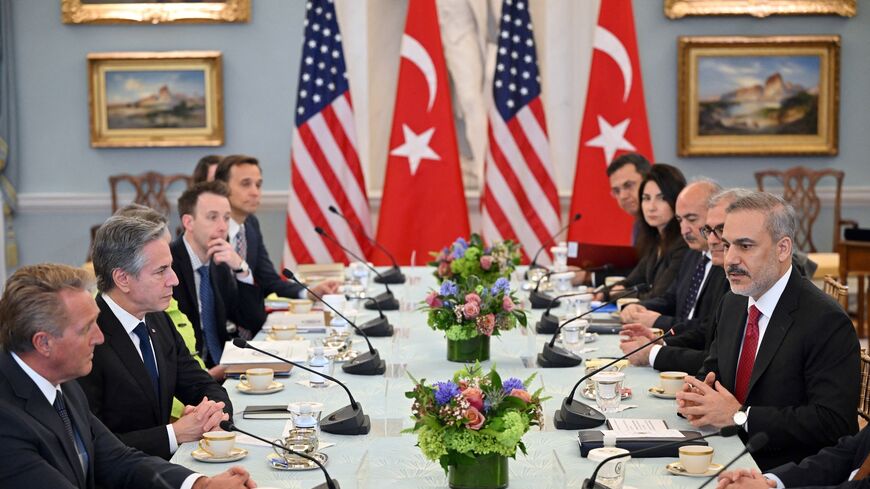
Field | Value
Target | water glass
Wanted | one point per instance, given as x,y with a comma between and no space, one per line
608,390
574,335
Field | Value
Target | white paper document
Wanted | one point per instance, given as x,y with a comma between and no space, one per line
640,428
296,351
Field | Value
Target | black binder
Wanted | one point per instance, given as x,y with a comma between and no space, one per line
591,439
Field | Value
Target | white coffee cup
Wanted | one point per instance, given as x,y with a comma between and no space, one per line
624,301
671,382
284,331
301,306
613,279
696,459
218,443
257,379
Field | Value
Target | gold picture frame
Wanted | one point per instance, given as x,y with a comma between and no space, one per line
144,12
155,99
676,9
758,95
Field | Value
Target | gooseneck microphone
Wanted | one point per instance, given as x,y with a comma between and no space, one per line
755,443
541,300
368,363
330,482
549,322
391,276
724,433
555,356
349,420
534,263
386,300
377,327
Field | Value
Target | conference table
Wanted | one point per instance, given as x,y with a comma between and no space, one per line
387,457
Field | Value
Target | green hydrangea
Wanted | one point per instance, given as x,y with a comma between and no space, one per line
431,442
515,426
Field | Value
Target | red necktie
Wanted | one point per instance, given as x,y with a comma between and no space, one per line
747,355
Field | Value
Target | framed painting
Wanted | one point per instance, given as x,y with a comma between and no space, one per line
153,11
758,95
146,99
676,9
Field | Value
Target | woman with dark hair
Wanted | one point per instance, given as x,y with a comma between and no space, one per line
659,244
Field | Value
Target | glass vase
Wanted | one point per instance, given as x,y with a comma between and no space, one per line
468,351
487,472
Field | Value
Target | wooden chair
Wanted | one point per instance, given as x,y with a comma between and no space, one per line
864,399
150,188
799,190
837,291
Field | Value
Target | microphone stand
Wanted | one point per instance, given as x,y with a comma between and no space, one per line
368,363
377,327
591,484
556,356
754,444
330,482
541,300
349,420
386,300
393,275
579,415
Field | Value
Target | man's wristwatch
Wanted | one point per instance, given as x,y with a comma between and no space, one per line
740,417
243,268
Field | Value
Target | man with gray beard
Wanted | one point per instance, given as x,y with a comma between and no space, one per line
785,360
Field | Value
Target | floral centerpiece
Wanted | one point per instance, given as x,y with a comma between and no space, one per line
472,423
463,259
470,315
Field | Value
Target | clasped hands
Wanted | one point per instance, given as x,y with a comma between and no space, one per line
638,314
196,420
707,403
744,479
637,335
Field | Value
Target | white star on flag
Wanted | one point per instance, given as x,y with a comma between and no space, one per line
416,147
611,138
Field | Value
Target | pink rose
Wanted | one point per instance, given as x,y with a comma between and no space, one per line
433,300
475,419
507,304
486,324
471,309
444,269
474,396
486,262
521,394
463,384
472,297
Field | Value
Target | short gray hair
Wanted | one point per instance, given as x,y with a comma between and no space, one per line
118,245
780,218
31,303
728,195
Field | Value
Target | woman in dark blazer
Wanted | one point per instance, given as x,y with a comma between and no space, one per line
659,244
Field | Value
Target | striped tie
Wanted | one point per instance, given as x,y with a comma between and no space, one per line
60,407
242,243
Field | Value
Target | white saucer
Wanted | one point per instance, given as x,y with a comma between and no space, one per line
657,392
676,468
275,386
235,454
277,462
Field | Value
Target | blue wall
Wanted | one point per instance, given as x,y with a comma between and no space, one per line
260,61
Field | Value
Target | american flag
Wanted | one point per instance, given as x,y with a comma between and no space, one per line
520,200
324,166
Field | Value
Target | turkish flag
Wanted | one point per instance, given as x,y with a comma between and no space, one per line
423,207
614,122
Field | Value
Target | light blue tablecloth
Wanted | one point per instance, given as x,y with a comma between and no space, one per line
388,458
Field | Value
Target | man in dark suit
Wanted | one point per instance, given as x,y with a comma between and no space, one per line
207,266
144,361
837,467
785,359
686,351
244,180
48,437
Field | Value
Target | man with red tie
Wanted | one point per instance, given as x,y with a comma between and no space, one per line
785,359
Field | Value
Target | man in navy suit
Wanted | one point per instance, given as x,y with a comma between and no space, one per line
48,437
244,179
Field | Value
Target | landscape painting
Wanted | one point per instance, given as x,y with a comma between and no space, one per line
758,95
156,99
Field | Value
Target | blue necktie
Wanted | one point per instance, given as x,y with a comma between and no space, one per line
148,357
207,317
694,288
79,445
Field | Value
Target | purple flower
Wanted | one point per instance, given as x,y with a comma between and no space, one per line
512,383
459,248
445,392
448,288
501,285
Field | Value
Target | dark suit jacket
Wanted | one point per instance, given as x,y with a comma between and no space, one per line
805,382
119,389
658,271
239,302
831,467
261,266
669,303
38,454
686,351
